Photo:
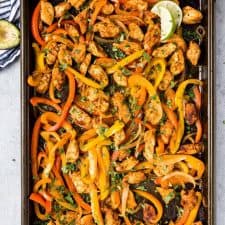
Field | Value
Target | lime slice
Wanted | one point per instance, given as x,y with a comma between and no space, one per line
168,25
173,8
9,35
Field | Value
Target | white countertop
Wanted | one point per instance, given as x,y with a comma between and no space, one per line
10,132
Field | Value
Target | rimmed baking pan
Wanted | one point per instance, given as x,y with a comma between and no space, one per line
205,73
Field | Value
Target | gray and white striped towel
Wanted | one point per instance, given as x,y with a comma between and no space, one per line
9,10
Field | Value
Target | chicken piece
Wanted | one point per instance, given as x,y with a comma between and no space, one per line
152,37
105,62
40,80
86,220
72,31
68,217
123,112
193,53
153,112
76,3
106,29
120,79
85,64
177,63
72,151
165,83
131,203
164,51
140,5
188,199
191,15
92,94
111,218
135,177
162,170
119,137
47,12
166,131
150,142
96,107
64,56
170,98
79,52
82,20
96,50
58,78
128,47
191,149
108,9
149,213
98,73
115,199
80,118
120,154
61,9
167,194
127,164
191,114
179,41
51,53
81,187
135,32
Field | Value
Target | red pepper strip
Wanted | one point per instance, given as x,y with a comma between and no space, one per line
75,194
38,100
35,25
38,199
34,147
58,163
48,206
58,175
54,26
67,105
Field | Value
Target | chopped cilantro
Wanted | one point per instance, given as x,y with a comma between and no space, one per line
146,56
62,67
68,197
69,167
125,71
172,84
169,197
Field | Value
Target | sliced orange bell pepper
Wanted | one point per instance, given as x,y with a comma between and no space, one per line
193,214
34,147
38,199
67,105
75,194
35,24
39,100
157,204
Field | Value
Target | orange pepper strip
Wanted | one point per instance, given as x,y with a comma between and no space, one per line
60,31
54,26
41,156
38,199
38,100
58,175
98,6
40,183
35,24
38,213
67,105
157,204
171,115
198,98
161,148
34,147
75,194
198,136
51,93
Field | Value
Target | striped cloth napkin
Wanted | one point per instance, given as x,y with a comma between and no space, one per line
9,10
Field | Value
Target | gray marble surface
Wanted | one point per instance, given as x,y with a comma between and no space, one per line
10,132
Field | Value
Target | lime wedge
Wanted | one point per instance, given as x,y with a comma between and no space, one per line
172,7
168,24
